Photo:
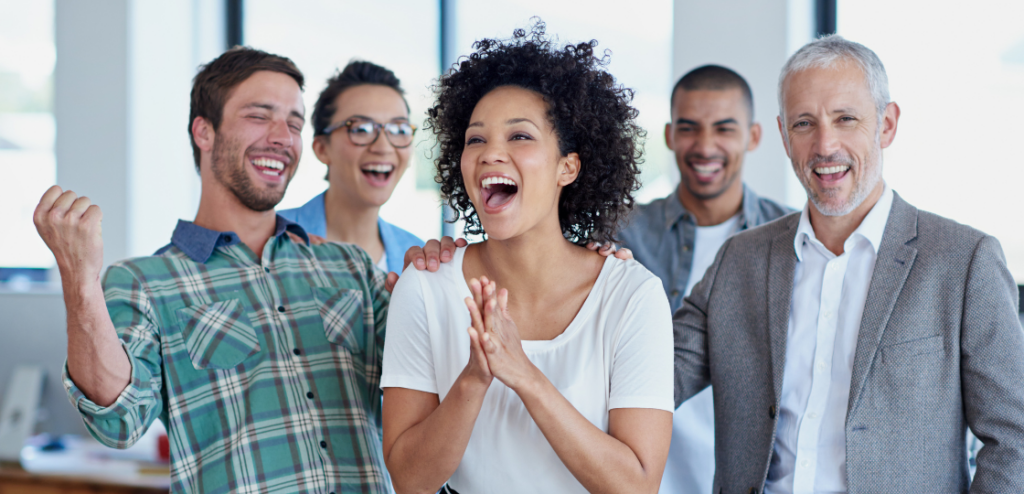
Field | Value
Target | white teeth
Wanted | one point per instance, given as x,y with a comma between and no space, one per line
489,181
832,169
707,169
381,168
268,163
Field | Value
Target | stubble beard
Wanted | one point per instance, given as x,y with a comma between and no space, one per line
862,188
229,169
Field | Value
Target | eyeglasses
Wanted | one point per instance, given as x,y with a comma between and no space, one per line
364,132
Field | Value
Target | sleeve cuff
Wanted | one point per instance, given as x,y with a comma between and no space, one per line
415,384
125,402
642,402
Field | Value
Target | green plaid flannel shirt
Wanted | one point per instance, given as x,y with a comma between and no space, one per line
266,371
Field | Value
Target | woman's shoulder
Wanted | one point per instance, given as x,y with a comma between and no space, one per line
629,276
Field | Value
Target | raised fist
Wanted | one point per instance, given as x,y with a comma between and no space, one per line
71,226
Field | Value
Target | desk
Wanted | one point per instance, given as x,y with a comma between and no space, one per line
14,480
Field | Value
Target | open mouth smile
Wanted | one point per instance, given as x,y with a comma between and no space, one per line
706,171
269,166
377,174
830,174
498,192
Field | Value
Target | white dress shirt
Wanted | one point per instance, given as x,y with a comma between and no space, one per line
829,292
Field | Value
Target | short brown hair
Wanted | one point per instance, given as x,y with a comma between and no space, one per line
216,79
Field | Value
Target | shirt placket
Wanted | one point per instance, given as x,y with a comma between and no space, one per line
821,376
310,427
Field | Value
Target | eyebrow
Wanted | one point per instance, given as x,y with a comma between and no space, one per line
726,122
270,107
364,117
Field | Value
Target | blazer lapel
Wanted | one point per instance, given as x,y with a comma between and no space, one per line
781,266
892,265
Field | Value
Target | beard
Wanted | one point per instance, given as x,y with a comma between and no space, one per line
229,169
867,179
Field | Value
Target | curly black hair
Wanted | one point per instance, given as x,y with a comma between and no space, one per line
590,113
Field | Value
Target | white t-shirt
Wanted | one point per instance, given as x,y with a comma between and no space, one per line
691,458
382,264
616,353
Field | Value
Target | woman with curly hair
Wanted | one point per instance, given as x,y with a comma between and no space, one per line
563,380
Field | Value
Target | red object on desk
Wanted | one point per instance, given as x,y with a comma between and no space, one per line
163,448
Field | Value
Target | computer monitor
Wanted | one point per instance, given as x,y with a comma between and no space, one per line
33,330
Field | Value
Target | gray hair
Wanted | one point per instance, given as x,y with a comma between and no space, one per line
827,52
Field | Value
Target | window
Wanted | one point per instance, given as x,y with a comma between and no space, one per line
27,133
322,36
957,73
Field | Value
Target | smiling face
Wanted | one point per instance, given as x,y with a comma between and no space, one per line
366,175
710,133
257,147
833,137
512,167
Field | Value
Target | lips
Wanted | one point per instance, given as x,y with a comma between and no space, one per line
268,166
831,173
378,174
497,191
706,171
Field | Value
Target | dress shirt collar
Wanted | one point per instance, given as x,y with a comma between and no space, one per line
674,210
871,228
198,243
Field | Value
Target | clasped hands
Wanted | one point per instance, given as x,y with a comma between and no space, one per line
496,349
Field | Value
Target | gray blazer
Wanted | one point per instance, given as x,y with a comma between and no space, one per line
940,348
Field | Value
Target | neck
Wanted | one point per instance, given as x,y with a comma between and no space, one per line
832,231
517,263
352,223
221,211
716,210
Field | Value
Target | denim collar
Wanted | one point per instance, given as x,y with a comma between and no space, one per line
674,210
198,243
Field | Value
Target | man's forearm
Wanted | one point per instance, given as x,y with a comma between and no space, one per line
97,362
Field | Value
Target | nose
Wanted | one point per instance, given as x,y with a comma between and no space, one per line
826,140
280,135
493,153
704,144
381,144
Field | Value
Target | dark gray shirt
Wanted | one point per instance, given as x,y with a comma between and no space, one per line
661,235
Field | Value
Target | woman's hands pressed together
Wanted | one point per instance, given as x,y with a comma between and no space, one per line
495,337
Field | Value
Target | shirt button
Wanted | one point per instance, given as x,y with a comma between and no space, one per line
296,351
266,268
309,394
772,412
675,293
805,463
686,248
280,308
227,238
753,490
323,444
828,314
812,415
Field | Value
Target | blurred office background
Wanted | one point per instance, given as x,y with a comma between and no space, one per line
94,96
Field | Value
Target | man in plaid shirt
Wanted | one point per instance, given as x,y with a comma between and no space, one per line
260,352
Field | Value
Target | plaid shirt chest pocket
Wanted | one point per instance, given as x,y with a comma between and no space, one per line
218,335
342,313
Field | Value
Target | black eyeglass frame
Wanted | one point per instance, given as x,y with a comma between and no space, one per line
377,128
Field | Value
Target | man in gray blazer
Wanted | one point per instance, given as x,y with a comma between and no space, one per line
851,345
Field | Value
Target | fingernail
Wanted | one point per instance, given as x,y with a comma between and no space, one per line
446,256
419,264
433,264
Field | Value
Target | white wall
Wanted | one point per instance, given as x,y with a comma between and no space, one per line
754,38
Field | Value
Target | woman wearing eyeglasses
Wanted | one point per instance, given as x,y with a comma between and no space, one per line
361,131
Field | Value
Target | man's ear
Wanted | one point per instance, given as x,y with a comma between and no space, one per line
782,134
570,169
889,122
755,136
203,134
668,136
